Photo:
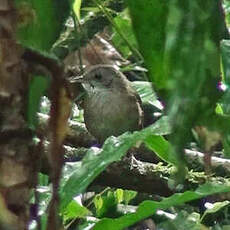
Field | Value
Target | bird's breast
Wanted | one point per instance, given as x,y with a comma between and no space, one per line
109,113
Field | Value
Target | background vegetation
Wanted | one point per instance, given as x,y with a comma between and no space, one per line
176,54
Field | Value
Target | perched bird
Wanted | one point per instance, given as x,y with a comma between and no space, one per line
111,105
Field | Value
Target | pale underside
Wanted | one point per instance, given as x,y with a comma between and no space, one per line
104,118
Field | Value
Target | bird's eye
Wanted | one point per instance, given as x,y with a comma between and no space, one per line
98,76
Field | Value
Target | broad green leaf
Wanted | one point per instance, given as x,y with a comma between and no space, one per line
149,22
148,208
75,210
77,8
82,174
162,148
193,62
147,94
41,22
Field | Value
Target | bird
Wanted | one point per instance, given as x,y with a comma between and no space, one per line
111,105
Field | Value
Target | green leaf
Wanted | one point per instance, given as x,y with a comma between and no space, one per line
183,221
44,220
162,148
124,25
215,208
192,59
82,174
119,194
37,89
225,57
105,205
149,22
129,195
148,208
75,210
98,203
219,109
43,180
91,9
87,224
147,94
77,8
41,22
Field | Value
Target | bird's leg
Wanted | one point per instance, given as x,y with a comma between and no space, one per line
208,162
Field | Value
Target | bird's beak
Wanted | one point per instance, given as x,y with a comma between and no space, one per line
77,79
85,83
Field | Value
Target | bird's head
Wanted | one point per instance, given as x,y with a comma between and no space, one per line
103,77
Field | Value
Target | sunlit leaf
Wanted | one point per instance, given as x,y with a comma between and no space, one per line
75,210
105,204
76,8
119,194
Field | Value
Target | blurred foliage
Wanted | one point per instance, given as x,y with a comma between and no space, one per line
92,21
193,85
178,42
40,23
123,22
149,22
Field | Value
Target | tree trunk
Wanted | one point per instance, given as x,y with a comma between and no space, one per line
16,150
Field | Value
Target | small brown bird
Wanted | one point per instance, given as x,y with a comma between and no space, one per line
111,106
